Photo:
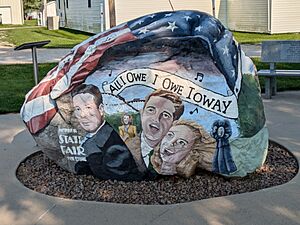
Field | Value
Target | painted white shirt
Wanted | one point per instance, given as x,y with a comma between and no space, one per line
146,149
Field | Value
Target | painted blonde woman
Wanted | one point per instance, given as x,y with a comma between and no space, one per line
185,147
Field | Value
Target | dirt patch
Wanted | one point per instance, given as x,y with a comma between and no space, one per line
2,42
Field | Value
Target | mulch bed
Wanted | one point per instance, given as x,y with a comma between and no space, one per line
43,175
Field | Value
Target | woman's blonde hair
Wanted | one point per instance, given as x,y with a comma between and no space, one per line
201,154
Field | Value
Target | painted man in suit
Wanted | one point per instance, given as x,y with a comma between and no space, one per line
161,108
107,156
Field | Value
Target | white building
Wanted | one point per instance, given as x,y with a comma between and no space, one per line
48,10
11,12
266,16
84,15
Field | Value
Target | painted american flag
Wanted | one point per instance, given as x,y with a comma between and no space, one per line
40,107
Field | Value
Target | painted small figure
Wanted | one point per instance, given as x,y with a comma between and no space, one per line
223,162
127,131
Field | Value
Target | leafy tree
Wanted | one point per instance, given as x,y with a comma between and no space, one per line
30,5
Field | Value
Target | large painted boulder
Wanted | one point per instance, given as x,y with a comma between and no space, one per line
163,94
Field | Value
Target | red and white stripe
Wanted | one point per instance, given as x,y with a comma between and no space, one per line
39,106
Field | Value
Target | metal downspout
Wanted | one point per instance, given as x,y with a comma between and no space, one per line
270,16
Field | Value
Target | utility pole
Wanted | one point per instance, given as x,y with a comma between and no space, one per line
214,8
65,13
112,13
44,13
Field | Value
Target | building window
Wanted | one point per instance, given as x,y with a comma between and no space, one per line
67,3
59,4
89,3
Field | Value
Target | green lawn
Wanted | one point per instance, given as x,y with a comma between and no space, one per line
66,38
26,24
283,83
255,38
62,38
17,80
30,22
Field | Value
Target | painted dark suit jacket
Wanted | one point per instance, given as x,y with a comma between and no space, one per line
134,145
108,157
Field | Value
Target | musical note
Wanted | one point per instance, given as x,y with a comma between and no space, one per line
110,73
192,112
103,84
229,92
200,75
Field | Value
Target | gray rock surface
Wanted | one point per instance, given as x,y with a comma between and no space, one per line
184,96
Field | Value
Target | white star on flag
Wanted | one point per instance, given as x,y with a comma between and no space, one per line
233,73
168,14
187,18
140,22
172,26
144,31
225,51
152,16
199,28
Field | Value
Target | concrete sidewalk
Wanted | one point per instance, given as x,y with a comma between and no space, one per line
277,206
9,56
44,55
